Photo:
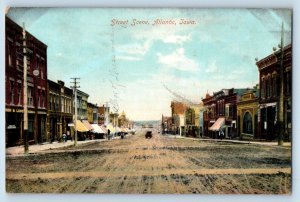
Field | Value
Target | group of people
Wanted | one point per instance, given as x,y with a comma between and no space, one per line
109,136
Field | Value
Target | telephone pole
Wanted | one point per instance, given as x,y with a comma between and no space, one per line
75,83
280,109
25,110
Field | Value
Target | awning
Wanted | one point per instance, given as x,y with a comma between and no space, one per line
97,129
124,130
80,127
87,124
103,128
217,125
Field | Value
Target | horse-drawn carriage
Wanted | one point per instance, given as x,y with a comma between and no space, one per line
148,134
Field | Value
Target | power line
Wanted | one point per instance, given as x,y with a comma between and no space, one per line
179,97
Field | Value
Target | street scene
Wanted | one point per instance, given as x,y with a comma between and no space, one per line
148,101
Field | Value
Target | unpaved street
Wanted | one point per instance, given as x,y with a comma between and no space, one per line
162,164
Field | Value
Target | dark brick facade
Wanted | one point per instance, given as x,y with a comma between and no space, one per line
14,79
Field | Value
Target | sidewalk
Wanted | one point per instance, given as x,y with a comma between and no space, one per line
285,144
19,150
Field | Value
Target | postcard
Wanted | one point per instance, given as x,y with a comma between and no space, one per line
148,100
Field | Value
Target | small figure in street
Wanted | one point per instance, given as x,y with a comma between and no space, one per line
221,134
108,134
64,138
122,135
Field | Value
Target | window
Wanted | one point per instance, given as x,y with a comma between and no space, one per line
262,90
228,110
275,85
62,104
19,57
288,83
50,102
39,99
247,123
9,51
43,99
12,95
42,68
19,93
30,98
268,87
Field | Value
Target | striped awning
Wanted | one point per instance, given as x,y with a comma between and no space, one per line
87,124
103,128
217,125
97,129
80,127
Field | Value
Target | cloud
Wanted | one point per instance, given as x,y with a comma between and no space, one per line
128,58
134,49
178,60
212,67
176,38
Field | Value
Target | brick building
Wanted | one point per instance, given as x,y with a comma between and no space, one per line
14,81
269,82
221,112
60,110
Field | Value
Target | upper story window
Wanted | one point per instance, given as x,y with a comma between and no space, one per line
30,98
10,51
19,90
12,95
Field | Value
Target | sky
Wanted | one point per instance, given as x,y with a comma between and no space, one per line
128,65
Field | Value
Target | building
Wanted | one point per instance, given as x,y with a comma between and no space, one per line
220,115
92,113
247,114
14,81
192,120
123,121
178,117
82,105
102,111
270,81
166,124
60,110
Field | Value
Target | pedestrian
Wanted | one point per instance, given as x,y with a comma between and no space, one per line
108,134
221,134
64,137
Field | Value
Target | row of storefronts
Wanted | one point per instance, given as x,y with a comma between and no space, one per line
247,113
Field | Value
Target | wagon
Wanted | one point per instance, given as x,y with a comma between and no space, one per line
148,134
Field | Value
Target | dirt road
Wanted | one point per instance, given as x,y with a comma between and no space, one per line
157,165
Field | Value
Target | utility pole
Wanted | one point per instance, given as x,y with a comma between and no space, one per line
281,95
75,83
25,114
